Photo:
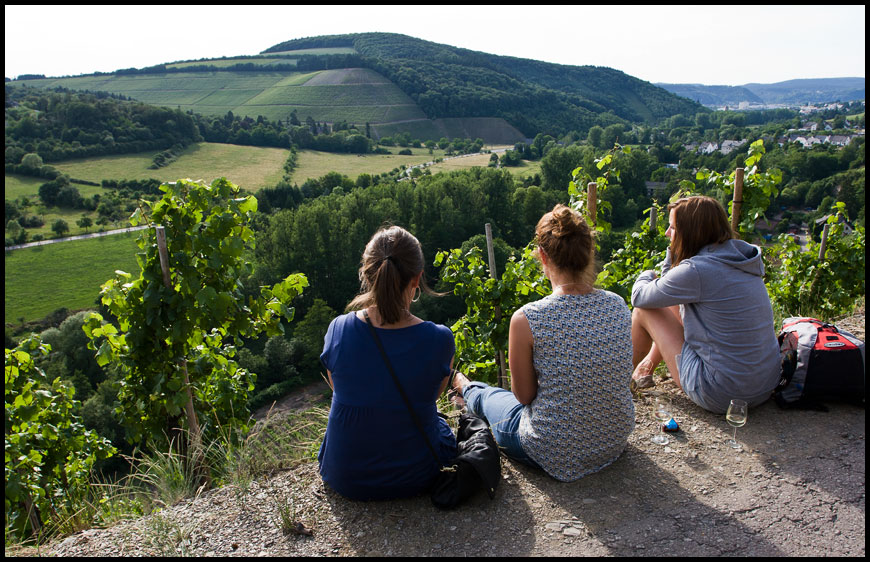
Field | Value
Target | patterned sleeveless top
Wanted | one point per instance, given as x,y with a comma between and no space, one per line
580,420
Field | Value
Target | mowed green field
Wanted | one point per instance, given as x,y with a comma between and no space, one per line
525,169
41,279
354,95
250,167
314,164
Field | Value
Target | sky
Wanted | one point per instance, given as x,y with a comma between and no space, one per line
712,45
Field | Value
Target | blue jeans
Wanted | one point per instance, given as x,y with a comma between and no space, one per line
502,411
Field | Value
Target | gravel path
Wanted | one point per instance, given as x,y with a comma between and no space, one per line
795,489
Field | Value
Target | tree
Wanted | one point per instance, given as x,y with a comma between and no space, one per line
557,166
510,158
14,154
594,136
312,329
175,342
69,196
611,134
85,222
60,227
12,227
11,211
31,160
16,233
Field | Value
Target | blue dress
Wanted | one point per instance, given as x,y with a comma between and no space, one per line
372,449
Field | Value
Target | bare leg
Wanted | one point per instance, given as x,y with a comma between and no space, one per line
459,382
455,394
644,369
656,335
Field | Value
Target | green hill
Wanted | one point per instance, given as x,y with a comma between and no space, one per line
396,84
531,95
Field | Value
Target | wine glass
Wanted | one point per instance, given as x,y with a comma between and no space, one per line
662,413
736,417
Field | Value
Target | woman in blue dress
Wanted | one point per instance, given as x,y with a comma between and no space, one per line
372,448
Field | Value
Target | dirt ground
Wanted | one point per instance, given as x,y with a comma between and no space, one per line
796,488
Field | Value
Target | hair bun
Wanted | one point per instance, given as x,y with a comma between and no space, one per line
566,222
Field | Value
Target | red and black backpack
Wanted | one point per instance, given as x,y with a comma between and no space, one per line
819,362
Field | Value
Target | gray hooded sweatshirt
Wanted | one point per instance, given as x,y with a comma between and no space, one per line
727,319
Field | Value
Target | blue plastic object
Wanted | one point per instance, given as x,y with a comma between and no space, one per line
671,425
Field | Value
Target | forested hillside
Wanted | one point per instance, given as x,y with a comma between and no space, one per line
533,96
64,126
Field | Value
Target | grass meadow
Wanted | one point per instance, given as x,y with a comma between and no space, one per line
525,169
250,167
23,186
41,279
314,164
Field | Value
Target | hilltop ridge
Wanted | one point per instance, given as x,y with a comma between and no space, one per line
789,92
531,95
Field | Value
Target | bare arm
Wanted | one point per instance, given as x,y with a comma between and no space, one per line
524,381
444,382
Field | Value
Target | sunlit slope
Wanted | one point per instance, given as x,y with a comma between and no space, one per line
355,95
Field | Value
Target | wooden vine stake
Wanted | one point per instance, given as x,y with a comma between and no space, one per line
502,374
824,243
737,203
652,220
592,202
195,431
822,248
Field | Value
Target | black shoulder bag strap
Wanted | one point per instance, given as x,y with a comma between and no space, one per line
405,396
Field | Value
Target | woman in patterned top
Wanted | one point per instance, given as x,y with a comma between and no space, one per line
569,410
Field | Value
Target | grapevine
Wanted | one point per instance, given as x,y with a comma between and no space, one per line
176,345
49,453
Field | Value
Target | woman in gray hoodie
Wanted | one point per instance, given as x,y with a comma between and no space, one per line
708,316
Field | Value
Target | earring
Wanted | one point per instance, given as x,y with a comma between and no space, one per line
418,292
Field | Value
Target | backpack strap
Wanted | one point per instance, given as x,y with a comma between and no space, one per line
405,396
